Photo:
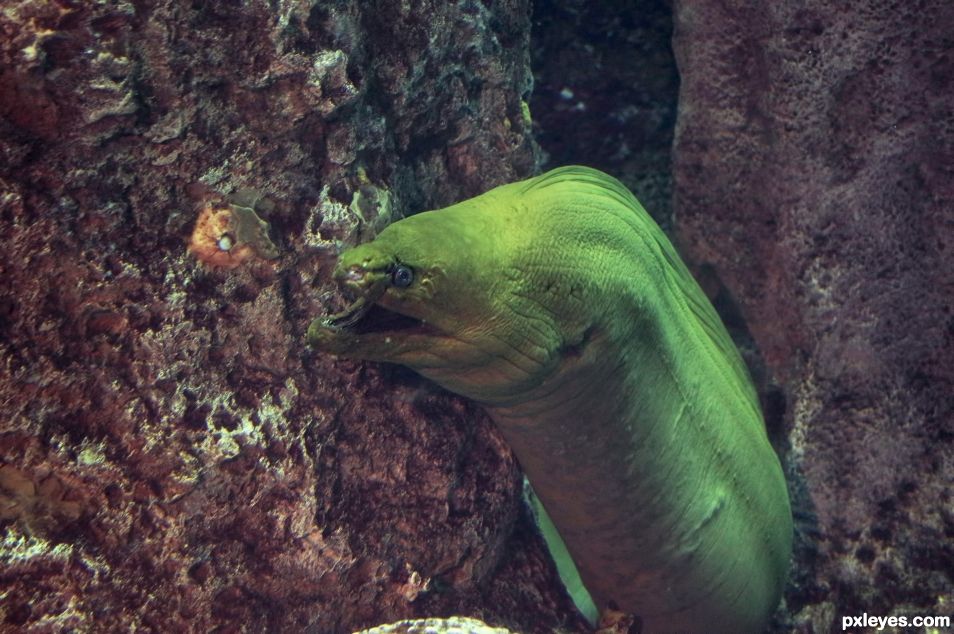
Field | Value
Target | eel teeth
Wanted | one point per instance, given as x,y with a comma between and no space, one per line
350,315
359,308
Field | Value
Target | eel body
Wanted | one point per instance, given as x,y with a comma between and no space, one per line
560,306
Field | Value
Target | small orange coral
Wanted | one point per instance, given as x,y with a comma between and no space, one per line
227,235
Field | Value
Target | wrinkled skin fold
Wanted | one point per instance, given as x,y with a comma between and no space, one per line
560,306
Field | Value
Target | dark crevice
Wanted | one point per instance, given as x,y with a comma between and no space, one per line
605,92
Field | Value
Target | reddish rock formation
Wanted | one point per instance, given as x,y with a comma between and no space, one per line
813,172
173,457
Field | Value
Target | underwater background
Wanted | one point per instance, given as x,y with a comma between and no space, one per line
173,457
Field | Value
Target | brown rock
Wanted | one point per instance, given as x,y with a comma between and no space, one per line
194,464
812,172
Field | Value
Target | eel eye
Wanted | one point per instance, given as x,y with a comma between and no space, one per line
402,276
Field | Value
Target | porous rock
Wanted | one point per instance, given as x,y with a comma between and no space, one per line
173,456
813,174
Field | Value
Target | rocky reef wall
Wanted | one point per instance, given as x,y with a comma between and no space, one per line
173,456
813,176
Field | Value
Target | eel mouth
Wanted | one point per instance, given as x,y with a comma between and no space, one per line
364,315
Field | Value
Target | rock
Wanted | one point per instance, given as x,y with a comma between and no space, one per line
812,170
451,625
177,459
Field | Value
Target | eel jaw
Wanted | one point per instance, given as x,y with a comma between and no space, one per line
354,312
366,329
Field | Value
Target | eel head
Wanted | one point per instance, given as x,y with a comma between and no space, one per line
428,294
418,292
387,318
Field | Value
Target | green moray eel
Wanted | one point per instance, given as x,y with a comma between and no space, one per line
560,306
